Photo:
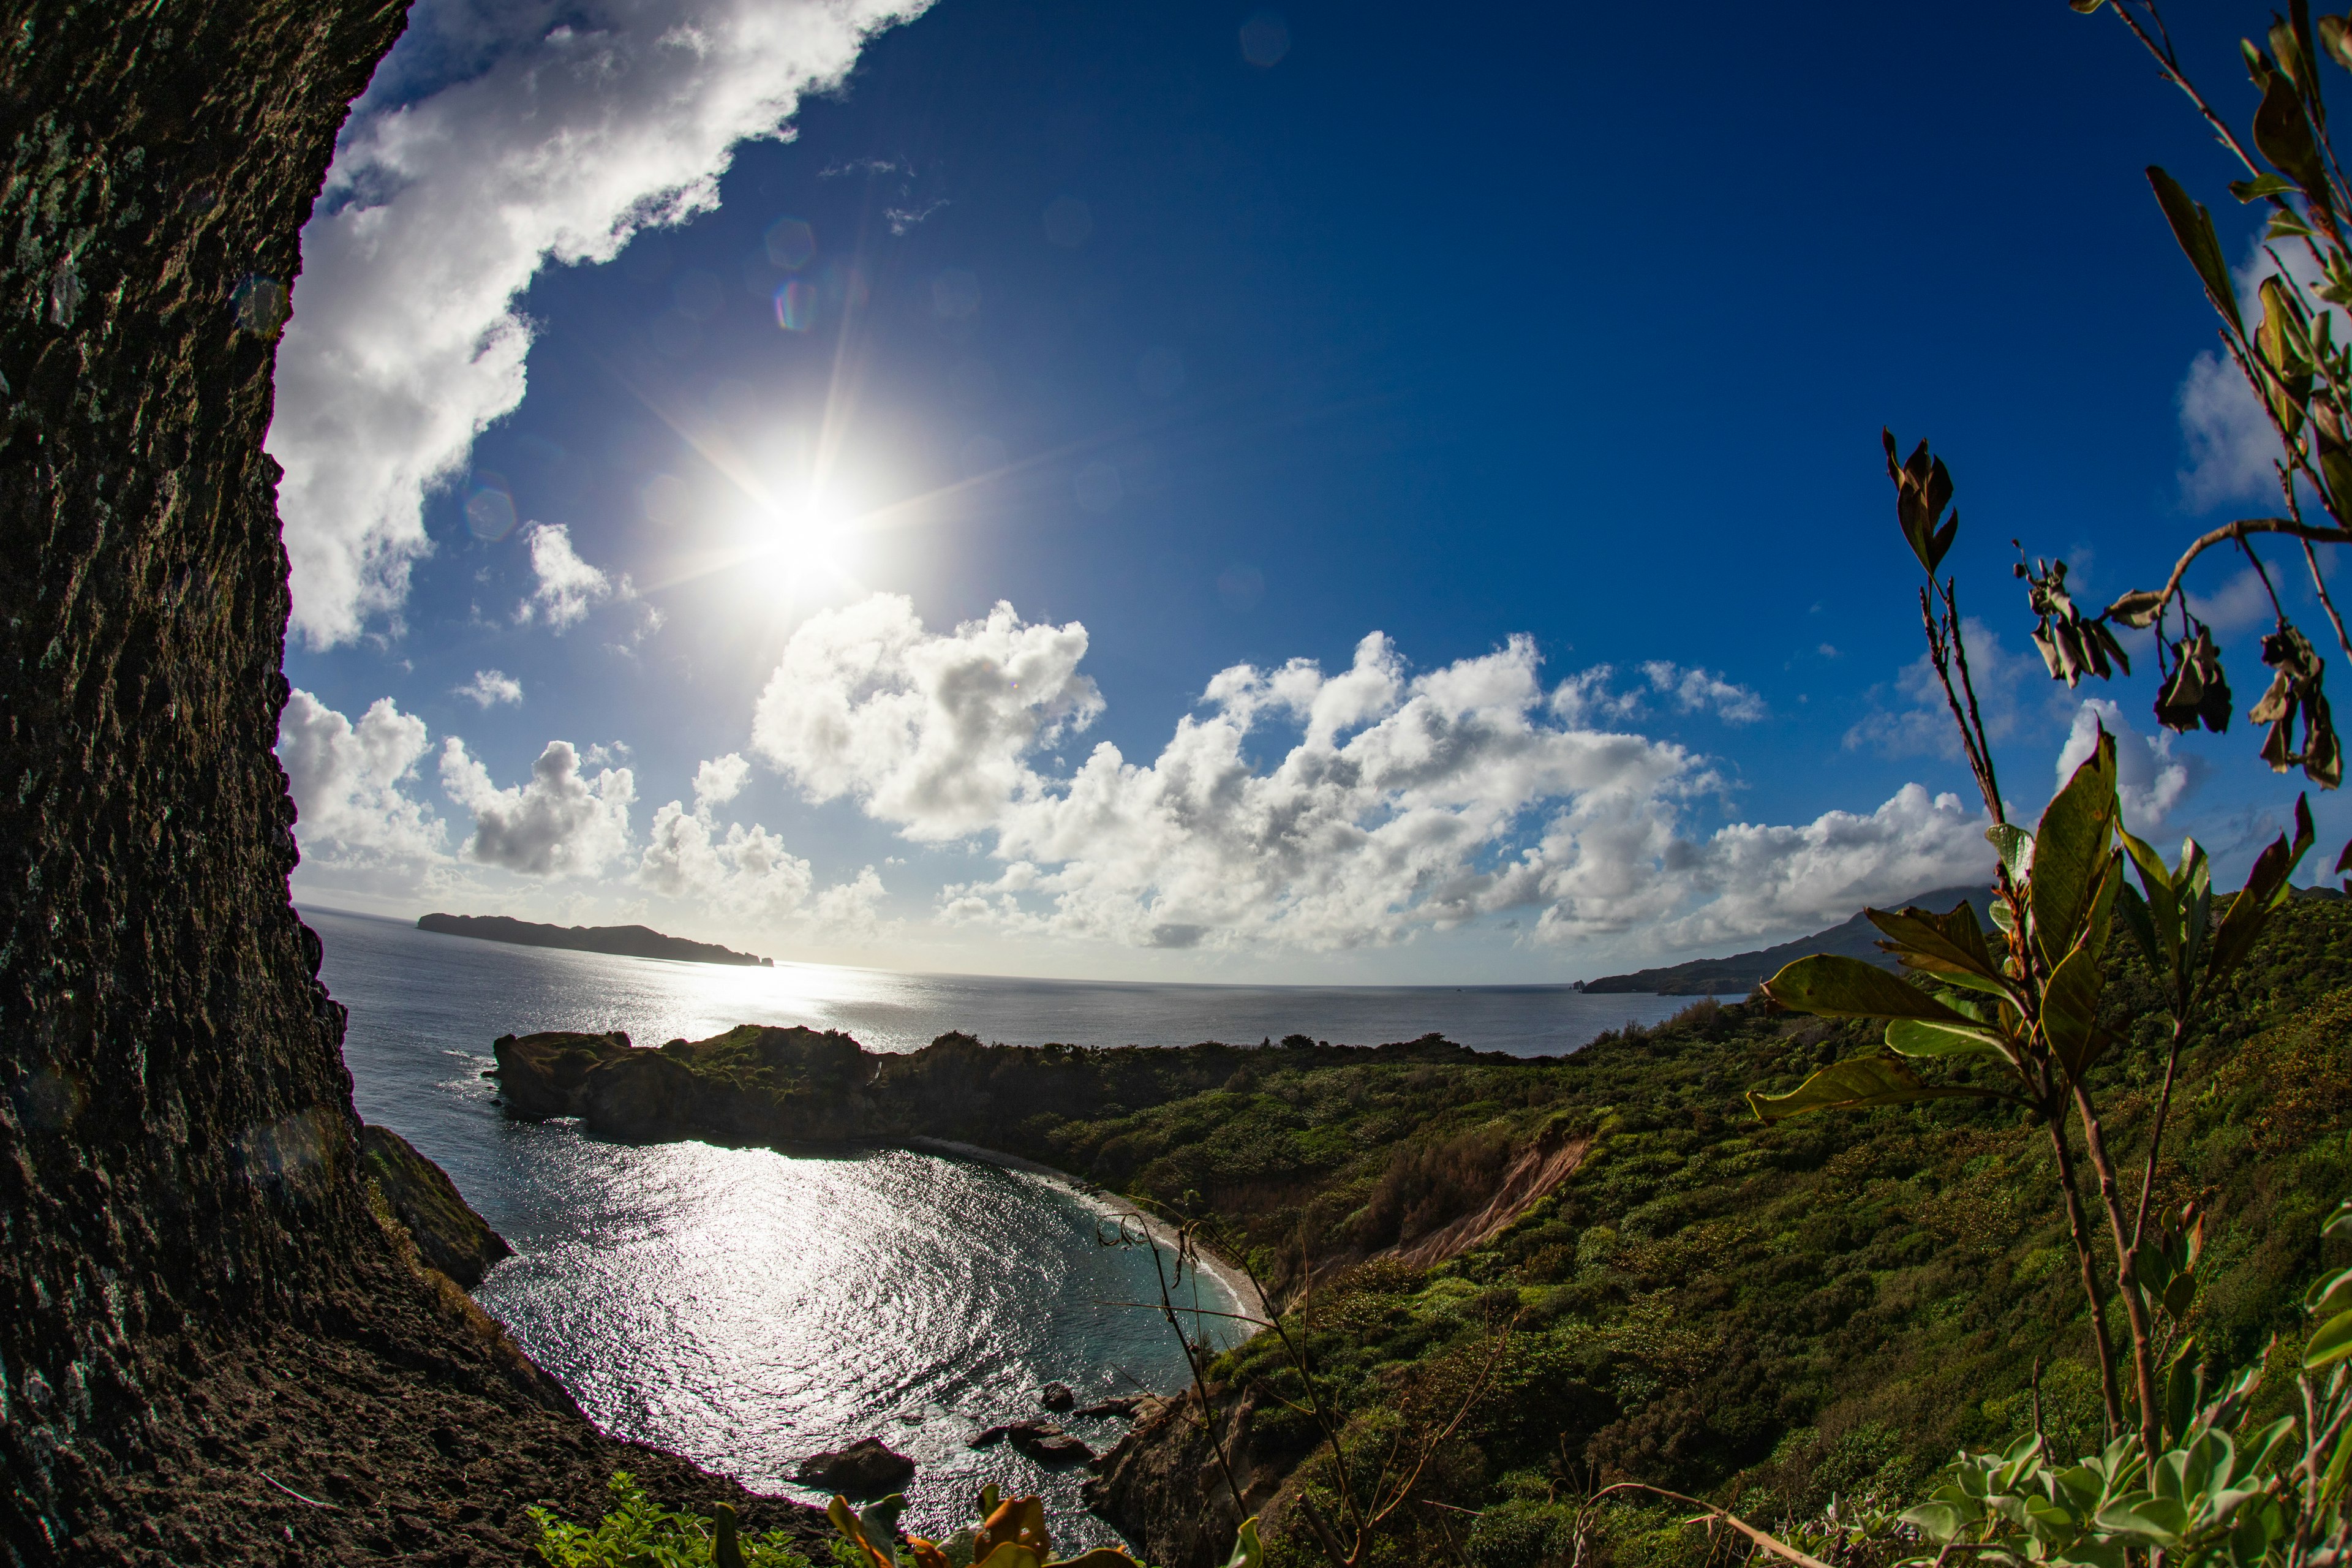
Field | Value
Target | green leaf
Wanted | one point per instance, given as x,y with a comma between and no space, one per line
1829,986
2158,1519
2141,923
2072,848
1857,1083
2282,135
1940,944
2070,1011
1943,1521
2265,889
2330,1296
2258,187
1918,1037
2015,848
1247,1552
2081,8
2331,1345
2193,227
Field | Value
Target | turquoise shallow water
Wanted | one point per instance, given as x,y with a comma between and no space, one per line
747,1307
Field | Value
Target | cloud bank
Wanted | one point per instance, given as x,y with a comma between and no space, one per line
567,133
569,821
1406,802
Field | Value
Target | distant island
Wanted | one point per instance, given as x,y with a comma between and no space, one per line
628,941
1743,972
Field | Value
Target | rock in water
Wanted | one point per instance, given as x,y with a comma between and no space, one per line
1044,1441
448,1234
1056,1396
861,1472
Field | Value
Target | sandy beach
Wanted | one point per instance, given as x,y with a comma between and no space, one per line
1236,1284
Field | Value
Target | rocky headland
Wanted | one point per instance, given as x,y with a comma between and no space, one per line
623,942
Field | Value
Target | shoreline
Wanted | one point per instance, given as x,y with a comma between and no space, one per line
1236,1284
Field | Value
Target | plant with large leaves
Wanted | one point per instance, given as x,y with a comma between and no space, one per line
2016,1011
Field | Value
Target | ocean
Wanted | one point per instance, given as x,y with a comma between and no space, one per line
749,1307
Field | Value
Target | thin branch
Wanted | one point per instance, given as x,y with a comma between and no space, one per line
2311,558
2233,532
1779,1548
2260,571
2170,66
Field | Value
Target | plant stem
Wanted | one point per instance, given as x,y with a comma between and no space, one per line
2054,1119
2151,1430
2156,1132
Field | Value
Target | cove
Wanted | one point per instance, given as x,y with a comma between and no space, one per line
747,1307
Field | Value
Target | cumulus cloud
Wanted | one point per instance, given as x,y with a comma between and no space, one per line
2231,443
720,780
1406,801
1695,690
492,687
568,587
561,823
347,782
566,132
747,872
931,732
2149,779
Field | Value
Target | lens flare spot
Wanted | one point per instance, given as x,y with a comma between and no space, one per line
796,306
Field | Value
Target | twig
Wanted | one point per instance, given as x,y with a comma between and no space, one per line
2319,585
298,1497
2276,608
1771,1544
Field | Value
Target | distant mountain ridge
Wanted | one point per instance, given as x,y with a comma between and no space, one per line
1743,972
625,941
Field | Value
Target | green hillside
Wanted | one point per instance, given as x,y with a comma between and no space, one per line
1788,1313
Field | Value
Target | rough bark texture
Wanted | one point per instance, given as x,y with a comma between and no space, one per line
200,1315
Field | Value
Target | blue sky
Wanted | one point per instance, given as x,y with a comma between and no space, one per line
1209,341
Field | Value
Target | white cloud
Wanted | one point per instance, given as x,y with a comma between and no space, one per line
720,780
346,781
492,687
927,731
1696,691
562,823
748,873
568,587
1408,801
562,142
2150,780
2231,443
2240,604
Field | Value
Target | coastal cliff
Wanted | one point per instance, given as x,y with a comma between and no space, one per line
624,942
212,1349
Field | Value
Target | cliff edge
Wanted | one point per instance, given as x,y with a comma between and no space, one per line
212,1349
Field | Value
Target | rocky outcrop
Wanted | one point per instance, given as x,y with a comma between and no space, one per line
201,1316
1163,1487
865,1470
1044,1441
448,1234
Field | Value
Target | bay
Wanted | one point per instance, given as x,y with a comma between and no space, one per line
747,1307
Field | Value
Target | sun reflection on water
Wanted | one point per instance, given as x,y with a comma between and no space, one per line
747,1308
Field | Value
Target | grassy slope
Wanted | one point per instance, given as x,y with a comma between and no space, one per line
1793,1312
